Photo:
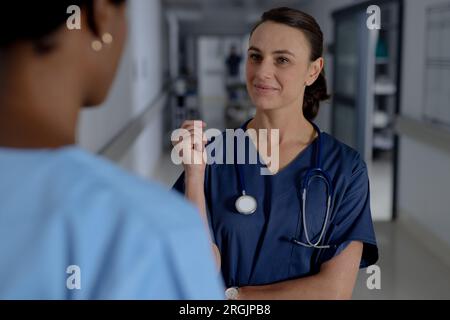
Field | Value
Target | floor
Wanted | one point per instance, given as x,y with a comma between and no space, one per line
408,270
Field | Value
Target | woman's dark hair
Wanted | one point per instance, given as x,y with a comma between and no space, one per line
297,19
25,20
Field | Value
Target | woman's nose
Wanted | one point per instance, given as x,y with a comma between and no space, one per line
264,70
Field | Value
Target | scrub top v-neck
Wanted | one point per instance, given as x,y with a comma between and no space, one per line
257,249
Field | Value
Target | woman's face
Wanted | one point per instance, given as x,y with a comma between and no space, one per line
278,66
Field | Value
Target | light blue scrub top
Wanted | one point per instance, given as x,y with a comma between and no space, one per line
130,238
256,249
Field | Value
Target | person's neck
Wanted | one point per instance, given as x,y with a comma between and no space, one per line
37,111
292,125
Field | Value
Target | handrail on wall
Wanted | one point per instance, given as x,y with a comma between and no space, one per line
426,132
118,146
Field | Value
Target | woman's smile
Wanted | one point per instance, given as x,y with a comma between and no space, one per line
262,89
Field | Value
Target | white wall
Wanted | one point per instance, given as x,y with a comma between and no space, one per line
424,193
138,83
146,37
424,171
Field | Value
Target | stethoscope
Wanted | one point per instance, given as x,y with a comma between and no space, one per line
247,205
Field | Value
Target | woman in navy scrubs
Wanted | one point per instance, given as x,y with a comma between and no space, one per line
287,248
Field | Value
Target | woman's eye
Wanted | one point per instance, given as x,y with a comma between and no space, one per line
255,57
282,60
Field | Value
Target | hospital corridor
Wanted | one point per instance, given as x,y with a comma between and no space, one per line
378,150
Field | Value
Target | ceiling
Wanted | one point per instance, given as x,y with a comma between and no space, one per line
221,17
235,4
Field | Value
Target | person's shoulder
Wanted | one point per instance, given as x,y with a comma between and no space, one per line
97,182
105,216
342,153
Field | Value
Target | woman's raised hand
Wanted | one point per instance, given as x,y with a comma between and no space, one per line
193,141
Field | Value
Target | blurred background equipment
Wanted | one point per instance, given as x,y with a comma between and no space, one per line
366,99
239,107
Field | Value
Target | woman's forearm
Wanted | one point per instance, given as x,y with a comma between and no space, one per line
309,288
194,191
335,280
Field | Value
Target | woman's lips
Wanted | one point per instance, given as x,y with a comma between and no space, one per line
264,89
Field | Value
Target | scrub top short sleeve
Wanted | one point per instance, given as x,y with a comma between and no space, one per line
353,220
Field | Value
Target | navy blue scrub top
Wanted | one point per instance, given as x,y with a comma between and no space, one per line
256,249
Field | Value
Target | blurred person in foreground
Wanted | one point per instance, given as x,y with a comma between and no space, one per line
73,225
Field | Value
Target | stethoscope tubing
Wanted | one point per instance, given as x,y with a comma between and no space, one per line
315,172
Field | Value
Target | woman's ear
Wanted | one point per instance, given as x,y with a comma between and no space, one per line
101,17
314,70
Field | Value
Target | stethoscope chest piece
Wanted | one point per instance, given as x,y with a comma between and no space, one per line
245,204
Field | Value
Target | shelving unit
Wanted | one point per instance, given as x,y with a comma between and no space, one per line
366,94
385,82
365,84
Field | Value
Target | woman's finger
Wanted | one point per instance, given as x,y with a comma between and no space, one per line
195,140
193,123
